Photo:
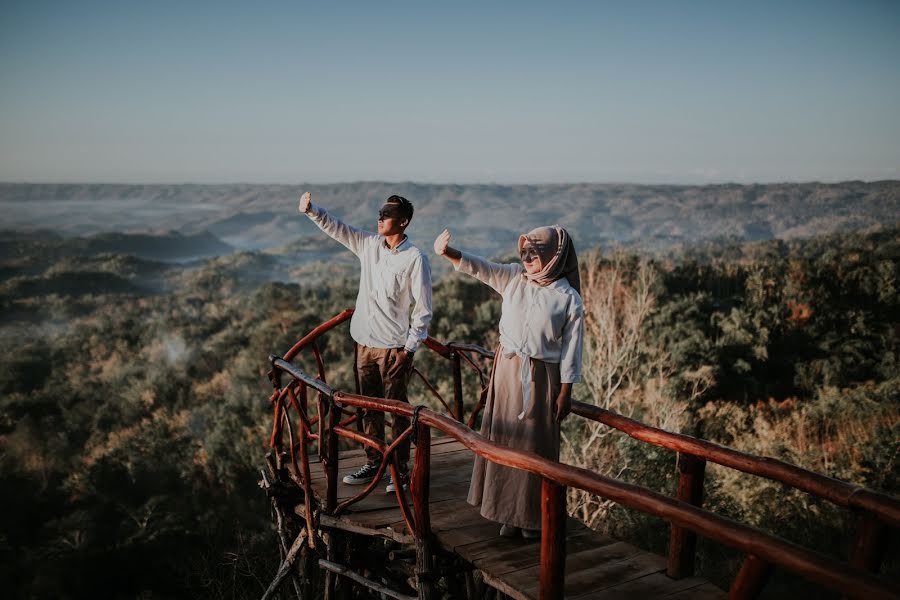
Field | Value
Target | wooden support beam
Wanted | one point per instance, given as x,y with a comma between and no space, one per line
683,542
471,588
870,544
330,522
333,540
421,484
750,579
553,540
336,569
331,457
457,388
331,475
285,567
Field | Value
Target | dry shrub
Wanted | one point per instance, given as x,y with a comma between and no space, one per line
618,299
847,434
850,434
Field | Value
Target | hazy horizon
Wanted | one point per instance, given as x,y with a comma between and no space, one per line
450,183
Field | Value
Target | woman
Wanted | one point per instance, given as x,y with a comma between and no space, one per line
539,358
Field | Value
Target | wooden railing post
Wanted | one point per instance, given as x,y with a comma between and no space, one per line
750,579
683,543
870,543
553,540
331,473
457,388
331,456
420,485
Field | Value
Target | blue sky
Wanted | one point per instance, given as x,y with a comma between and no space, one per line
292,92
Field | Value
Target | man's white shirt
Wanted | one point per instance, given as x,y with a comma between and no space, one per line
390,282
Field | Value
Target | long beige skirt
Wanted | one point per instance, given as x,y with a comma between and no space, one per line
508,495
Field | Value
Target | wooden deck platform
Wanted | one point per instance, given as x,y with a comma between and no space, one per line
597,566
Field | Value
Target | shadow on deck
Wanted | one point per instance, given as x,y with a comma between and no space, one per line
597,566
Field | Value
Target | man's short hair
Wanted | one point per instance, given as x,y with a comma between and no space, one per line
405,207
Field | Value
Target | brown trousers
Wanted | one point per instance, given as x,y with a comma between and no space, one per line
372,364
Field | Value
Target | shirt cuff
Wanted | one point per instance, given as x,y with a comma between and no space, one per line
570,377
314,212
464,264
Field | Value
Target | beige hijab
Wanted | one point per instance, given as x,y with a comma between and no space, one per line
557,253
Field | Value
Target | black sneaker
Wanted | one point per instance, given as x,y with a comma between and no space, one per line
404,479
365,474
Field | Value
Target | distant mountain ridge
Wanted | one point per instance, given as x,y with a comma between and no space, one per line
484,218
22,249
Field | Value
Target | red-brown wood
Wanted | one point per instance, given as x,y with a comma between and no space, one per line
275,440
765,549
683,542
320,364
420,482
436,346
810,564
457,388
870,544
400,493
751,579
839,492
553,540
304,465
286,417
386,452
420,487
315,333
331,458
474,416
432,389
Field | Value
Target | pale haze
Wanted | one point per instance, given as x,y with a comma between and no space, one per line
517,92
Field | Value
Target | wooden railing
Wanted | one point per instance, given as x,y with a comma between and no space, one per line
764,551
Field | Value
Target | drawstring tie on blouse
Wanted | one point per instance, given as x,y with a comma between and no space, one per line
510,350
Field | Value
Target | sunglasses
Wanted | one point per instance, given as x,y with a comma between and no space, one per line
384,215
528,254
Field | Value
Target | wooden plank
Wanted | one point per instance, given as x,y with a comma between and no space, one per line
597,566
592,570
454,539
707,591
450,484
385,532
495,546
379,500
654,585
457,464
375,518
445,514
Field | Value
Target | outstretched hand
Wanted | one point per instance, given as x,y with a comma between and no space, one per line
305,201
442,242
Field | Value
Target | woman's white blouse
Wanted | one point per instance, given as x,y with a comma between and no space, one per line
546,323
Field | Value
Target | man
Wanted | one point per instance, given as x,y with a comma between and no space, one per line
395,275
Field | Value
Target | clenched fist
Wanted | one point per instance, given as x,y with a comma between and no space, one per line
305,201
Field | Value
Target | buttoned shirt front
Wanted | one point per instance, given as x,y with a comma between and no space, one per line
546,322
391,282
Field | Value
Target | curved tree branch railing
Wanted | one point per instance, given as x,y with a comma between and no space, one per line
684,513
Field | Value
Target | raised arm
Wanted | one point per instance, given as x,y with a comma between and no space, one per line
495,275
349,236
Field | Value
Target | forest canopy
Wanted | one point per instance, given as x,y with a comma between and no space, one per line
133,413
